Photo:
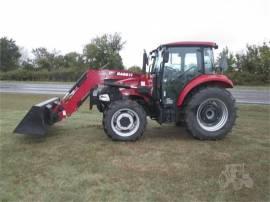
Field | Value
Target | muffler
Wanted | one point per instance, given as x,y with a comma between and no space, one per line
39,118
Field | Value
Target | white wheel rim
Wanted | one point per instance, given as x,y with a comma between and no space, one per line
125,122
212,114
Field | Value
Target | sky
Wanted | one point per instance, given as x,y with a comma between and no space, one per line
144,24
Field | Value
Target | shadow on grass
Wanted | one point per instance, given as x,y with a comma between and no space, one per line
152,133
168,132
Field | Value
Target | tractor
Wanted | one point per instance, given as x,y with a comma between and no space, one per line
181,86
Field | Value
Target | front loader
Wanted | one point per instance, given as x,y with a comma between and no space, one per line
181,86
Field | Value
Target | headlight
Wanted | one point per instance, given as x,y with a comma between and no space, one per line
104,97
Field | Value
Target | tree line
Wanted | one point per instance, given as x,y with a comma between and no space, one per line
101,51
251,67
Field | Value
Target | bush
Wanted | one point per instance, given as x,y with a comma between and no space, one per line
72,74
246,78
135,69
68,74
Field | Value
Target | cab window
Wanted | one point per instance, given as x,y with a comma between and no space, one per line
208,60
157,62
191,61
182,59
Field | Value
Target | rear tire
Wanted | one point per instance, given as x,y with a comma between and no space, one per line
124,120
210,113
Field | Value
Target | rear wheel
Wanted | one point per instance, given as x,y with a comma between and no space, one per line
210,113
124,120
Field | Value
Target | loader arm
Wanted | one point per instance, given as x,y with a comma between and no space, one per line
44,114
79,92
88,81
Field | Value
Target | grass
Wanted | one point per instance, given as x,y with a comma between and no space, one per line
77,162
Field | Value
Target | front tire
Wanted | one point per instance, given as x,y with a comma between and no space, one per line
210,113
124,120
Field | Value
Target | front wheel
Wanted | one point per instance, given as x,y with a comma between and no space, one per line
124,120
210,113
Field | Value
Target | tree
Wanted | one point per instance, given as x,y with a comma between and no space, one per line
9,54
256,60
104,52
27,64
47,60
73,59
264,67
135,69
253,65
229,57
43,59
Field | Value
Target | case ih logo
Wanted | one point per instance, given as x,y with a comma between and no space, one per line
124,74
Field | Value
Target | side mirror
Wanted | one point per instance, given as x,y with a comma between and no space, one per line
165,56
145,61
223,63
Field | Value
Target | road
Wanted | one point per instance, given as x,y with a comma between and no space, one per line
249,96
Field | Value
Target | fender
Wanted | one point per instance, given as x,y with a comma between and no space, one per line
215,79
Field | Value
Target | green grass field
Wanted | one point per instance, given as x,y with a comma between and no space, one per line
77,162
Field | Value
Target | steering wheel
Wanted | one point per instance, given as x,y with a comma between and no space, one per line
170,71
188,70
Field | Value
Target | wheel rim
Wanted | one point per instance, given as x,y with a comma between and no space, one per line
125,122
212,114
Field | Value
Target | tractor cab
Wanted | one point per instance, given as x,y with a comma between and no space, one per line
172,66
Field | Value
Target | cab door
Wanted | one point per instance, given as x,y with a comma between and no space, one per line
157,77
184,64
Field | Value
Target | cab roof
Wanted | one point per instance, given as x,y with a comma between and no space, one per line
191,43
187,44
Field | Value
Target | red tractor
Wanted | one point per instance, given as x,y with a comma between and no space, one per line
181,87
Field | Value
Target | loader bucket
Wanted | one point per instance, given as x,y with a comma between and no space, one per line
38,118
